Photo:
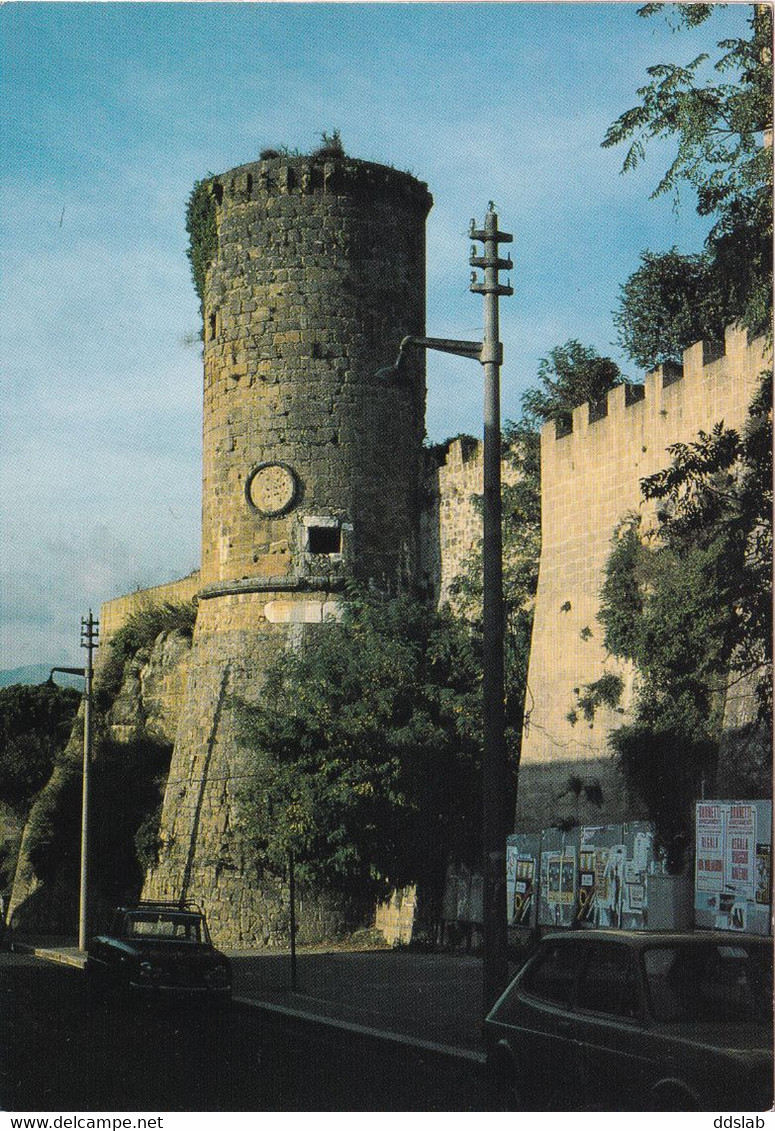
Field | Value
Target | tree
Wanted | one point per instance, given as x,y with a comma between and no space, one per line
692,608
365,749
571,375
666,305
718,127
35,723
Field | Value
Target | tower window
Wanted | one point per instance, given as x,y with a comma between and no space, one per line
324,539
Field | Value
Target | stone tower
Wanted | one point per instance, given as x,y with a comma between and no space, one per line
311,471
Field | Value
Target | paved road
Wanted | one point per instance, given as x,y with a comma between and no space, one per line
61,1052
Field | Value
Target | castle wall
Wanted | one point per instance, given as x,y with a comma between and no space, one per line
451,519
115,613
590,479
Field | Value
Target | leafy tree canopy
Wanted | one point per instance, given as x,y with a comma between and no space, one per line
718,124
571,375
669,303
365,750
35,724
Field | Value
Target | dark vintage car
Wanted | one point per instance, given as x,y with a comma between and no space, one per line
618,1021
159,949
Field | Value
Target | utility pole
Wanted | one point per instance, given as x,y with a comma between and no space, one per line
494,777
89,633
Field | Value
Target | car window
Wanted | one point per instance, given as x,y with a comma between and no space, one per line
609,982
182,928
554,973
709,982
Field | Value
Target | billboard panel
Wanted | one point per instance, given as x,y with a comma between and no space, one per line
732,879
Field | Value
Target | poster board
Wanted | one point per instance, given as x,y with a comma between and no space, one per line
558,878
522,855
732,875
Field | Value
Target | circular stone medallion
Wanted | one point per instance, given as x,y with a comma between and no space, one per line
271,488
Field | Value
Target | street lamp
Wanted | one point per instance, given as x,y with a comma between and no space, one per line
489,352
89,633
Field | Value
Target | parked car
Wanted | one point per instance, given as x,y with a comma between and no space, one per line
159,949
625,1020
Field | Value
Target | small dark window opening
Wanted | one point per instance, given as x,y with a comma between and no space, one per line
324,540
212,325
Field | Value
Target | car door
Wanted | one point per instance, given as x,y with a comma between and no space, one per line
614,1049
545,1033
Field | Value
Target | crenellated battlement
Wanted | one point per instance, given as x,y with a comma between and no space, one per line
703,363
320,176
591,474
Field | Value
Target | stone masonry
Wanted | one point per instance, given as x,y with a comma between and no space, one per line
311,470
590,479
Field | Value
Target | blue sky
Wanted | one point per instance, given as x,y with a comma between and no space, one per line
110,112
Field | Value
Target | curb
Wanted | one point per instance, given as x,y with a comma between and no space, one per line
64,959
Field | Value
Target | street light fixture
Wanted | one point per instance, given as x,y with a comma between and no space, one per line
489,352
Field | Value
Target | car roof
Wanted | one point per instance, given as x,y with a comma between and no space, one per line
656,938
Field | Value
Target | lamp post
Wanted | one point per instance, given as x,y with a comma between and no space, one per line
494,778
89,633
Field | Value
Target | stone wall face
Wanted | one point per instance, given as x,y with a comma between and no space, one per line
451,518
115,613
590,481
320,273
202,854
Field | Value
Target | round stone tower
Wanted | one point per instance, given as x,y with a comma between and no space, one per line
311,461
312,472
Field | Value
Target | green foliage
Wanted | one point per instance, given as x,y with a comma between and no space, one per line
202,233
717,126
603,692
139,633
521,540
35,723
571,375
365,751
716,497
669,303
52,834
129,780
665,766
330,145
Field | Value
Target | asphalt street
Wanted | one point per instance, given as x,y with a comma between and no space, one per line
61,1050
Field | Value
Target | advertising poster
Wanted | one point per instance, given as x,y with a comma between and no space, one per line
522,853
732,873
523,890
740,844
559,856
586,896
763,874
709,873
